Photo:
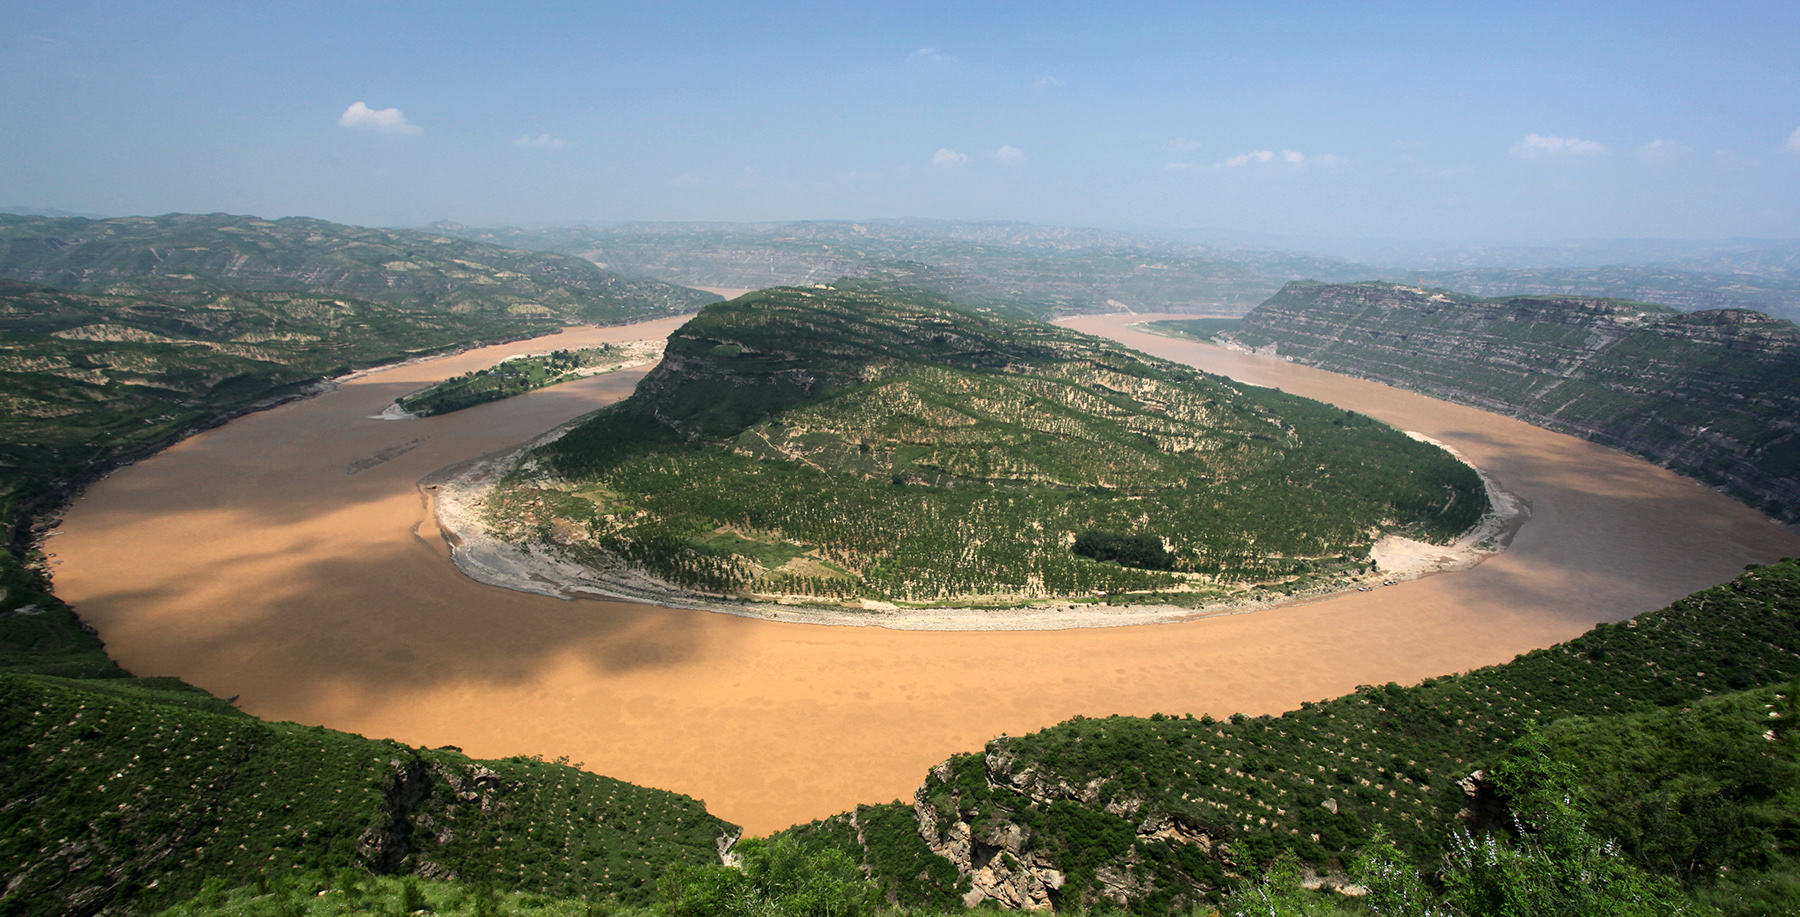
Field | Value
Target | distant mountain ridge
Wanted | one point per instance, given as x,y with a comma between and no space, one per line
1045,271
1713,394
1052,270
179,254
1775,291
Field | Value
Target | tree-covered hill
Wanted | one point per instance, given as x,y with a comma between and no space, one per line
849,443
185,258
123,795
1156,813
115,803
1714,394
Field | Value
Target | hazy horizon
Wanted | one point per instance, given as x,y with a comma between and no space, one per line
1392,123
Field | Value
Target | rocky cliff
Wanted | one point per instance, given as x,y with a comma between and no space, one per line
1713,394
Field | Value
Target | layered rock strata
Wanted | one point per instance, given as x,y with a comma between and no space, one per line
1714,395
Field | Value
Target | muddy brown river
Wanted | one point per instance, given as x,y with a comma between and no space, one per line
286,557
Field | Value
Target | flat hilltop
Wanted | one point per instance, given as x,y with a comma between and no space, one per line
864,446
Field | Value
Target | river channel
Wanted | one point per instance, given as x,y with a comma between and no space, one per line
287,558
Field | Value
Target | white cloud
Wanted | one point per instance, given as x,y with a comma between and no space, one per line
1537,146
540,142
947,158
1293,158
1183,145
1244,159
1662,151
926,54
385,121
1046,82
1009,155
1793,141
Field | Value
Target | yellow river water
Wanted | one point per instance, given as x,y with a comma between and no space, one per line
287,558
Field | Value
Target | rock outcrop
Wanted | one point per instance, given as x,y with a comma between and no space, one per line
1714,395
1016,865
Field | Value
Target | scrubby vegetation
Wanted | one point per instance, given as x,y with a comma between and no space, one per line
1146,552
845,443
115,797
782,878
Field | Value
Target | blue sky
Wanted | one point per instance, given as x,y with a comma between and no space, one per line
1354,120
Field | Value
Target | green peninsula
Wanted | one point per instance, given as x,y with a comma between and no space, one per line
852,443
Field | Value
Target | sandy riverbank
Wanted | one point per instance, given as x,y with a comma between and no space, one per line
457,497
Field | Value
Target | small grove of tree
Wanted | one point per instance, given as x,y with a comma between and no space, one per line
1550,865
779,878
1145,552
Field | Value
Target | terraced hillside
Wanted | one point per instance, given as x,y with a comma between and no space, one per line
116,804
844,444
1714,395
185,259
1153,814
